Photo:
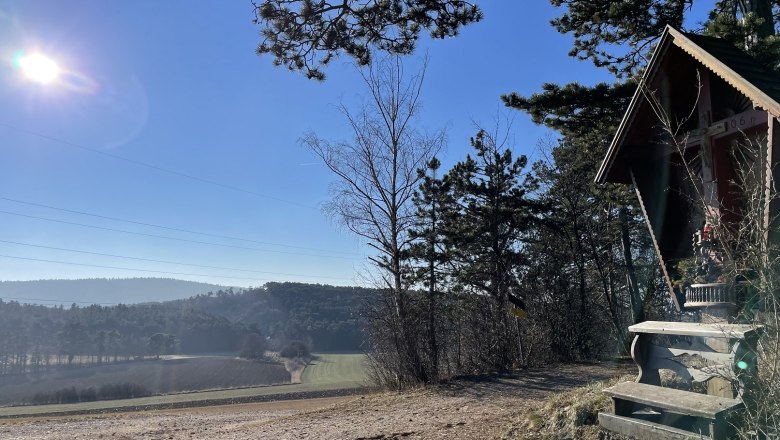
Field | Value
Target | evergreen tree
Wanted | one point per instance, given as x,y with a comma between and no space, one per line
431,250
305,35
594,233
494,213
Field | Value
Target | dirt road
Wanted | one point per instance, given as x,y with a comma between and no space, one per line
463,409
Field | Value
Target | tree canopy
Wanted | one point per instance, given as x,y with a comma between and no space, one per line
305,35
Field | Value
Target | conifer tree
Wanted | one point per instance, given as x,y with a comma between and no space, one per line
305,35
433,202
494,212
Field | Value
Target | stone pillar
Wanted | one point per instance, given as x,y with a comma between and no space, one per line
719,314
716,305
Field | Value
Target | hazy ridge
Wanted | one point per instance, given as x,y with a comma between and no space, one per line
103,290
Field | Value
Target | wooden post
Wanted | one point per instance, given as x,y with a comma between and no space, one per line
772,176
708,178
667,278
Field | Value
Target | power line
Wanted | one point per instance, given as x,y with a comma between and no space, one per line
165,237
170,228
167,261
132,269
151,166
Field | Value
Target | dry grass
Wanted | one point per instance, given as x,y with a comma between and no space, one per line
568,415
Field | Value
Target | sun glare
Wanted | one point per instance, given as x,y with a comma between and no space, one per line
39,68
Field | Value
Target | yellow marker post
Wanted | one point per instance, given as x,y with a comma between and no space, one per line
519,313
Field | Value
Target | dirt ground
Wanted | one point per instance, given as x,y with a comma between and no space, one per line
463,409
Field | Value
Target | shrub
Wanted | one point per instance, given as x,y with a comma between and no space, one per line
253,346
294,349
90,394
121,391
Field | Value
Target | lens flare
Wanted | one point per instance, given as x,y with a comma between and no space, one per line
39,68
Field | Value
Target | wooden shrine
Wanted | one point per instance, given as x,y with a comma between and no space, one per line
723,96
681,145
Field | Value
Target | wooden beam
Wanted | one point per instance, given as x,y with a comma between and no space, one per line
739,123
704,104
644,430
709,185
771,178
668,279
676,401
726,127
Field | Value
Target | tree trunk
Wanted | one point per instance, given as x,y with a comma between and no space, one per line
433,346
761,9
633,286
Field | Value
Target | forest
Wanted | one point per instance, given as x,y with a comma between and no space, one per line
35,337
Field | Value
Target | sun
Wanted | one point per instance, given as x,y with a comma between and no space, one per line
39,68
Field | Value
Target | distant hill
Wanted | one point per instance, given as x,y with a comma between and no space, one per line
103,291
325,317
33,337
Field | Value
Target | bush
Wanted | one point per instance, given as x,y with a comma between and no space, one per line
294,349
253,346
66,395
121,391
88,395
91,394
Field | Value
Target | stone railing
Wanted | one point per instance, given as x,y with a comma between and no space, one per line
712,294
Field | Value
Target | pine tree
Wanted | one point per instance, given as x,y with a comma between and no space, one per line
305,35
495,211
433,202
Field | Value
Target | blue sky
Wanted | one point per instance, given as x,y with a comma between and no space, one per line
176,84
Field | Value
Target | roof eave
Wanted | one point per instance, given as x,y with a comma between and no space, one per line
759,97
652,67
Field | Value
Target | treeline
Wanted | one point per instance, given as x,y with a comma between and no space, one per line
35,338
324,317
91,394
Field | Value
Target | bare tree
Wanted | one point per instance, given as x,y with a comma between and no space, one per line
377,172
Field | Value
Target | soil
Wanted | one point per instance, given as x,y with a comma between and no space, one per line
468,408
171,374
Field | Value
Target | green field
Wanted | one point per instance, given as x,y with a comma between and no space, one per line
330,371
326,372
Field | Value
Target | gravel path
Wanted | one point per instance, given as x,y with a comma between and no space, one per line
463,409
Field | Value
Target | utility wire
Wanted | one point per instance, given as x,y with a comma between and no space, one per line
167,261
132,269
170,228
148,165
171,238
